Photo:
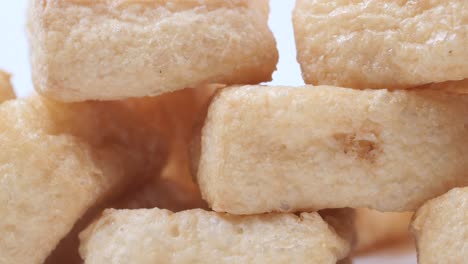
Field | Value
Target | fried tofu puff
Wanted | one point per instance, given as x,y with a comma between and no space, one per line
289,149
171,187
198,236
105,50
381,43
60,160
440,227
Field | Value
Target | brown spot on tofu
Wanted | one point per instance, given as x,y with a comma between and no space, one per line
362,146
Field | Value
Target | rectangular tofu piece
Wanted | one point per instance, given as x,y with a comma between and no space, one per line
6,89
198,236
381,43
116,49
59,160
285,149
441,229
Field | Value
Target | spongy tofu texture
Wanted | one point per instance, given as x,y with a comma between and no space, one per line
171,187
286,149
381,43
117,49
6,90
58,160
197,236
441,228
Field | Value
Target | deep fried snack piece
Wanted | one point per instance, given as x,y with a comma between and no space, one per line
125,48
6,89
374,229
59,160
381,43
172,188
441,228
198,236
286,149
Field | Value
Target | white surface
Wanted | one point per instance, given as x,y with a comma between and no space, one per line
13,46
14,58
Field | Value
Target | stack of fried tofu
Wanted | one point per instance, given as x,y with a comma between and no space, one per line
151,139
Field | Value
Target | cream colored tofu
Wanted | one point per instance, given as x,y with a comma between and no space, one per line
375,229
58,161
286,149
197,236
441,229
6,89
381,43
116,49
170,186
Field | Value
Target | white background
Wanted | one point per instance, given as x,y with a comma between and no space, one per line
14,59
